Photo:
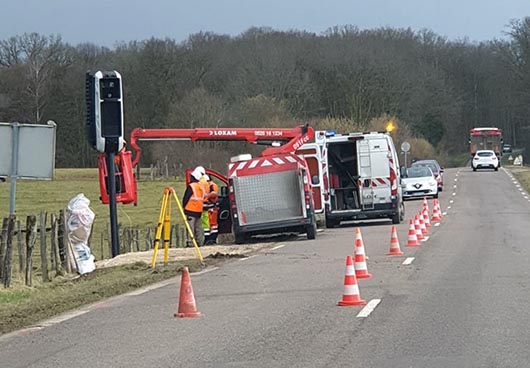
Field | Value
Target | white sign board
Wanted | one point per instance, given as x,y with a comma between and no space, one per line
35,158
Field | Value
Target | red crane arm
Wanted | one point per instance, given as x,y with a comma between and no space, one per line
284,140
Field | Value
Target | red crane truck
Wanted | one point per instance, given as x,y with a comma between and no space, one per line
262,195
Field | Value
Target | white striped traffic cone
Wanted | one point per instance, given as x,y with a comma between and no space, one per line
412,239
361,268
351,294
394,244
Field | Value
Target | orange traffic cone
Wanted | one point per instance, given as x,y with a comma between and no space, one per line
359,236
425,203
423,228
394,244
351,294
187,306
436,215
413,239
361,268
419,234
426,218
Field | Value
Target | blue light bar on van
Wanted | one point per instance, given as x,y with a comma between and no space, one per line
331,133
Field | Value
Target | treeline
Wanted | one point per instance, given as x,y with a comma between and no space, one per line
346,77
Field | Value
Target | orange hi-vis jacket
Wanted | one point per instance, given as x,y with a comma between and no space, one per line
196,201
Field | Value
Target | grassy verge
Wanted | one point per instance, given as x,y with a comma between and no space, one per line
522,174
21,307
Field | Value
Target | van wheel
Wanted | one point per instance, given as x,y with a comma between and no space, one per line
396,219
240,238
311,231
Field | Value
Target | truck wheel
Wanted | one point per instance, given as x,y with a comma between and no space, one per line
311,231
240,238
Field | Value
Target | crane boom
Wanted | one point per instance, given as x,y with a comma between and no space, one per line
282,140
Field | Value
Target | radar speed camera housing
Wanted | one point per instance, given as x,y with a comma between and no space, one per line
104,99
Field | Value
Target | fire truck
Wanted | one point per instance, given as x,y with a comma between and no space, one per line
268,194
357,176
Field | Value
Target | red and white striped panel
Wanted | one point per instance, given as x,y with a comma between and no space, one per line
377,182
264,165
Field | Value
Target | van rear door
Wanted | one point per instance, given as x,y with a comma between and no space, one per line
374,172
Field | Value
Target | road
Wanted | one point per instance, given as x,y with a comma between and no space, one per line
461,302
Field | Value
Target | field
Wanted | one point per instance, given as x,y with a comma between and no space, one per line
33,196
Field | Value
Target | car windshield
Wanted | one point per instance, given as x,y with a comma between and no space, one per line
418,171
432,164
485,153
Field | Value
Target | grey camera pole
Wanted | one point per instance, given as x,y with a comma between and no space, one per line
112,204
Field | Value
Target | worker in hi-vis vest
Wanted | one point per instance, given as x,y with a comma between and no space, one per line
193,203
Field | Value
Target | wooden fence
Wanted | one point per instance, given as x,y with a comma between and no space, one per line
52,256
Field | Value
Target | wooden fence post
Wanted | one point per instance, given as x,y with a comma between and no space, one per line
137,239
20,247
31,238
60,239
8,258
43,256
71,262
148,240
3,241
57,265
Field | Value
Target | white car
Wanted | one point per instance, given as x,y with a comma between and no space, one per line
418,182
485,159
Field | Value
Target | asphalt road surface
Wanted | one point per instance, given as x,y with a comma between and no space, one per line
460,299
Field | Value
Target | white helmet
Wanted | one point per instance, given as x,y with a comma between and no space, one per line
201,170
197,174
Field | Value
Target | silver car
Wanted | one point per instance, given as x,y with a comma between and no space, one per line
418,182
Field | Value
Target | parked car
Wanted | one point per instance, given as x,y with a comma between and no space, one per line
418,181
485,159
436,169
507,148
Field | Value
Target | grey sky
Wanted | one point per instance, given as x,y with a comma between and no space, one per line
107,22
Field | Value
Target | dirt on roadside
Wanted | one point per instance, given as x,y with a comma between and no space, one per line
182,254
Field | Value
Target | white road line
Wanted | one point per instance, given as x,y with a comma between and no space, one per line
444,213
448,207
437,224
205,271
425,239
456,179
454,193
451,201
64,317
408,261
249,257
369,308
278,247
454,186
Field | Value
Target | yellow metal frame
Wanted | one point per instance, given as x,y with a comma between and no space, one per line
164,223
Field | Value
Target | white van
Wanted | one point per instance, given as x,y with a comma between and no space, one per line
355,176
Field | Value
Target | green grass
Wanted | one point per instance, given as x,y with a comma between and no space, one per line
34,196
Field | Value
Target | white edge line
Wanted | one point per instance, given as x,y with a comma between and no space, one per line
249,257
369,308
437,224
278,247
425,238
408,261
